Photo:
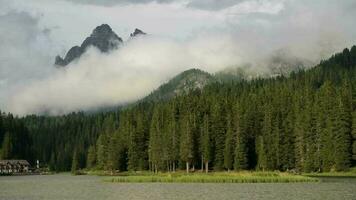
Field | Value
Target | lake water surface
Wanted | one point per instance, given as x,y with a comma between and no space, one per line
67,187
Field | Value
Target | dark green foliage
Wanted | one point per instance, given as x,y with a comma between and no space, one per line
137,147
342,138
102,151
205,143
218,126
75,163
240,141
155,147
91,157
186,141
15,141
6,152
229,146
354,137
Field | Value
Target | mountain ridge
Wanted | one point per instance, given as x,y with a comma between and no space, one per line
182,83
102,37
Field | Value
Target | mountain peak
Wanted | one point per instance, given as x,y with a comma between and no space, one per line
137,32
102,29
102,37
189,80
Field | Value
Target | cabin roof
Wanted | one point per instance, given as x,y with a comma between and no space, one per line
14,162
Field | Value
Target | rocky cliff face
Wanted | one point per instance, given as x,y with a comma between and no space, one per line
190,80
137,32
103,38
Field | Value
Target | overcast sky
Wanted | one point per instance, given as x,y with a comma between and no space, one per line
209,34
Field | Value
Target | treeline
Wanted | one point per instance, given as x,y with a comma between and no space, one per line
52,140
57,139
305,122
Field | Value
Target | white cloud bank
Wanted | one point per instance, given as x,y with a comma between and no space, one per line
124,75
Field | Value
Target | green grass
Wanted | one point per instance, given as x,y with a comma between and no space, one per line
217,177
350,173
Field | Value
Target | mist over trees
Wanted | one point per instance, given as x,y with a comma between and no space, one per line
306,121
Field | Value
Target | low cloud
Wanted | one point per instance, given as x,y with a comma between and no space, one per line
124,75
25,52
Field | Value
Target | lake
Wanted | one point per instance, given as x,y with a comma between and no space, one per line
65,186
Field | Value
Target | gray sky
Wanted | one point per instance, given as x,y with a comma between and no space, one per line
197,4
210,34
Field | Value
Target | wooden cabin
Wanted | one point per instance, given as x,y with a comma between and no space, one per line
14,166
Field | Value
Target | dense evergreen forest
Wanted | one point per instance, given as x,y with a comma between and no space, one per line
305,122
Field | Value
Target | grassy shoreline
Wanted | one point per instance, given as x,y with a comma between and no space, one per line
331,174
347,174
215,177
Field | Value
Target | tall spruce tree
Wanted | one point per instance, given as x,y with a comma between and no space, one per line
155,141
91,157
218,128
186,141
102,151
7,146
354,137
205,143
75,164
229,145
240,150
342,138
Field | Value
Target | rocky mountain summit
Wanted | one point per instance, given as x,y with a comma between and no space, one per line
183,83
102,37
137,32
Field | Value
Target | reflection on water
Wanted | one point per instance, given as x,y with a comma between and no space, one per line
58,187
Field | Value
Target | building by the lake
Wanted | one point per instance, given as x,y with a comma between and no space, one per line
14,166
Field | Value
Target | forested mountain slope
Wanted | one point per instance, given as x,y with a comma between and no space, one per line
183,83
306,121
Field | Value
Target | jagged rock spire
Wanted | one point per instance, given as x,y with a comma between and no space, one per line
102,37
137,32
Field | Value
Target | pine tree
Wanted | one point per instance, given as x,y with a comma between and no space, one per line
91,157
287,149
310,136
264,142
137,145
329,129
241,154
218,128
7,147
205,143
52,163
75,166
186,141
174,138
229,146
354,137
112,157
102,151
275,138
342,139
261,154
240,151
155,141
